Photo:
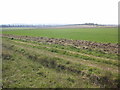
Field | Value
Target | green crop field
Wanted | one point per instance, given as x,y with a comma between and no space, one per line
106,35
35,62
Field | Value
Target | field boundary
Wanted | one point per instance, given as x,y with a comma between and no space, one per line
104,47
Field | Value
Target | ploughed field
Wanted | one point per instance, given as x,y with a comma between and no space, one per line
31,61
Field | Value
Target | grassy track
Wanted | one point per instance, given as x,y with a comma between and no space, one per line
106,35
33,64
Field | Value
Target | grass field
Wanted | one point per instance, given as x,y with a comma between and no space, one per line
105,35
34,64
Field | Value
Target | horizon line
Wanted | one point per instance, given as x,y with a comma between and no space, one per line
57,24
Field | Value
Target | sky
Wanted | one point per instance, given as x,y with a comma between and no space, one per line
58,11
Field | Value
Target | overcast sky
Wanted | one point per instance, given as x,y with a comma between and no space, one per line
58,11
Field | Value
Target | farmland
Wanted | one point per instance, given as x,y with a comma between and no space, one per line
105,35
60,58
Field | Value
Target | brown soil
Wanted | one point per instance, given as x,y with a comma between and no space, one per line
104,47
